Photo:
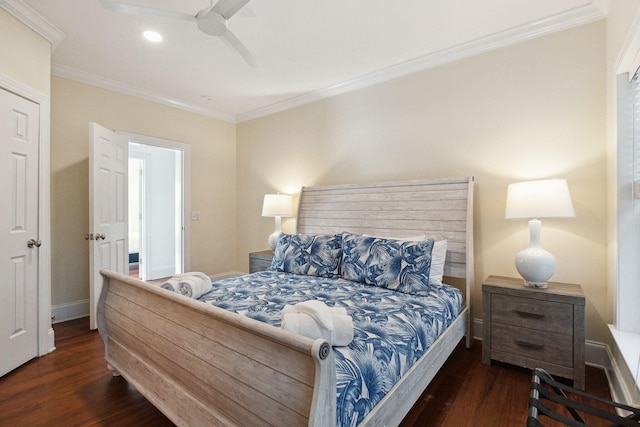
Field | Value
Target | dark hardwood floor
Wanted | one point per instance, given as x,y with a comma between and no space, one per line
72,387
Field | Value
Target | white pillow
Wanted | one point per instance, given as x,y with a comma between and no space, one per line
419,238
438,255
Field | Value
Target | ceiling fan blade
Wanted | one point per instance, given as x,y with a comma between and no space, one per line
148,11
228,8
234,43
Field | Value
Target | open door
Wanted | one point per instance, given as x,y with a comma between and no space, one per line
108,245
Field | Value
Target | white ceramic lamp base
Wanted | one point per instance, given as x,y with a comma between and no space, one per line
273,237
535,265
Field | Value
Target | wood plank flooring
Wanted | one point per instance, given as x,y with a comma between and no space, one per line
72,387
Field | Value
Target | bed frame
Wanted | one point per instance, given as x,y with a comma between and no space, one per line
202,365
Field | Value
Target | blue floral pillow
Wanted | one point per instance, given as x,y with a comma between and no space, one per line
394,264
318,255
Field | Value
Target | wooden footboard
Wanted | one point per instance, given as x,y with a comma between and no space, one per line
202,365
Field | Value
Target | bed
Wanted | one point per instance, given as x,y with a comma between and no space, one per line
202,364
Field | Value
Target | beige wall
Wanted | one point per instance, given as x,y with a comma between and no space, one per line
213,177
532,110
25,57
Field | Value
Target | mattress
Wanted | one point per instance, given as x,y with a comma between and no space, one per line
391,329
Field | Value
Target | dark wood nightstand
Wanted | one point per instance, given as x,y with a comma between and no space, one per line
533,327
260,261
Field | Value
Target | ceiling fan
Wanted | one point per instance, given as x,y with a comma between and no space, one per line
211,20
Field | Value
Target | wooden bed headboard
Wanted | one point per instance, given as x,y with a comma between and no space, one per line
438,208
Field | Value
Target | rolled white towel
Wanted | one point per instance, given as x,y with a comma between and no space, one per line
304,324
171,284
338,311
194,284
314,319
195,274
335,311
342,333
318,310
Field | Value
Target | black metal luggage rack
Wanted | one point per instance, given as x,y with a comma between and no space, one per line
544,387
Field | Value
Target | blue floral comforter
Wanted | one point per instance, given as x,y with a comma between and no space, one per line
391,329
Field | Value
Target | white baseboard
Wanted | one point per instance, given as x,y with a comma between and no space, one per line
621,391
595,354
477,328
69,311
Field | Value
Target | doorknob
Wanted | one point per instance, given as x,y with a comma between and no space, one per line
33,242
100,236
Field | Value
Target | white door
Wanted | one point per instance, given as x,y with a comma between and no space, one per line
109,248
19,163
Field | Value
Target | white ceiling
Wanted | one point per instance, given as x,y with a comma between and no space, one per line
305,49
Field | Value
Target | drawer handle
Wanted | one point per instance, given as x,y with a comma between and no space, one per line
530,345
530,315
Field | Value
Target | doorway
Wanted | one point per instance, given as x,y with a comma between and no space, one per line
157,207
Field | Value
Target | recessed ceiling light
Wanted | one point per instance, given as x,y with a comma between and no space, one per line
152,36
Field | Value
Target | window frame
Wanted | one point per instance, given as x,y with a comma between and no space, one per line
626,328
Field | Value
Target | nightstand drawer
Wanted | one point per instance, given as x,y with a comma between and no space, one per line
534,314
260,261
543,346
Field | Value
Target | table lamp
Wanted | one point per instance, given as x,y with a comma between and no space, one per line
277,206
533,200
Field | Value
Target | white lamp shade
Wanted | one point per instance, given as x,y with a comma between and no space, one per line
547,198
277,205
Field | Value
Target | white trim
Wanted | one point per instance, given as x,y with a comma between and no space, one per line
46,336
186,151
629,57
572,18
477,328
602,5
116,86
620,390
595,354
32,19
69,311
628,345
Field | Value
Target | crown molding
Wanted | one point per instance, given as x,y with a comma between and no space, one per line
116,86
572,18
594,11
32,19
628,59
